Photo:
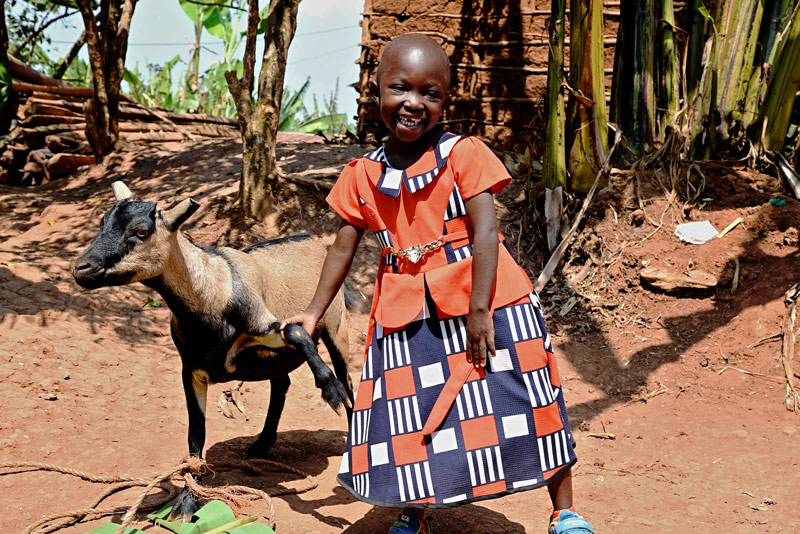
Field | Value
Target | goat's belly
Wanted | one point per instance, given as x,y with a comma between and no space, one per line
257,363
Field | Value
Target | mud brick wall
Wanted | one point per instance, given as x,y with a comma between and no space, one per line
498,52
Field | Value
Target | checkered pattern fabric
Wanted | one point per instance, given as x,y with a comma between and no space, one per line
507,430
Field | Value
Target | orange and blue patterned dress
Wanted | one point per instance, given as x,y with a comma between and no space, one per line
429,430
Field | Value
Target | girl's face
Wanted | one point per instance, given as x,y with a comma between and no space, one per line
411,93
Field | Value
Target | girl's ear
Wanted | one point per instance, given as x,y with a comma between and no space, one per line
374,91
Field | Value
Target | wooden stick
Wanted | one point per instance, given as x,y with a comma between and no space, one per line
730,227
24,87
317,181
555,258
787,350
22,70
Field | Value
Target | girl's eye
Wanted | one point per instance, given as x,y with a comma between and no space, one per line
141,234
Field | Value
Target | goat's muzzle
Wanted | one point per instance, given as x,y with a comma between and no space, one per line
88,274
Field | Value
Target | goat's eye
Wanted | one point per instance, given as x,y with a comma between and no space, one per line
141,234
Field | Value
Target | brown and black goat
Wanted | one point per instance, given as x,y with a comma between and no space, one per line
225,306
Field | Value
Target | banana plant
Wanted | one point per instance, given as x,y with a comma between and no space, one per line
783,86
292,104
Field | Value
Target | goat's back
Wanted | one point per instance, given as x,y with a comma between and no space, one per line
288,270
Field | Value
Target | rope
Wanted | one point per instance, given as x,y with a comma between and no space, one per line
236,497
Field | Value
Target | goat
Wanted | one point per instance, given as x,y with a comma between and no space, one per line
224,307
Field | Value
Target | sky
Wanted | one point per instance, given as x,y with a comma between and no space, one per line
325,45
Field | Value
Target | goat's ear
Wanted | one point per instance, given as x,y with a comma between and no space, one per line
175,217
121,191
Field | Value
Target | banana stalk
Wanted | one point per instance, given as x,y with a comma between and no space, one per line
587,127
554,167
632,92
782,87
740,23
694,47
667,72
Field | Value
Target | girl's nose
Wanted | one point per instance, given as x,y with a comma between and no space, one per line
413,100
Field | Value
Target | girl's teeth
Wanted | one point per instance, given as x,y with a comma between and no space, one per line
409,122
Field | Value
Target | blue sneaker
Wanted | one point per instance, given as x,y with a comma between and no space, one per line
568,522
407,524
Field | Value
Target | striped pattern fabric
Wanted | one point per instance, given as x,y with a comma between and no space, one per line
506,432
418,175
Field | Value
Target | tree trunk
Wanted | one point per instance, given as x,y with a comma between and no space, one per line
587,126
259,124
107,40
7,99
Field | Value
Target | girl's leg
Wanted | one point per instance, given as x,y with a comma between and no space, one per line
419,513
564,519
560,489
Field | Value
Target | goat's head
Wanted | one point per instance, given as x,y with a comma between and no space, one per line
134,242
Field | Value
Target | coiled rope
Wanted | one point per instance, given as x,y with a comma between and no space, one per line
234,496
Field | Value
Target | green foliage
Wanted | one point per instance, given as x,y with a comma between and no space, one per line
296,118
291,105
5,81
27,22
78,73
159,91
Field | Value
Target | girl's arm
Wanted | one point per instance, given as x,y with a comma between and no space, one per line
334,269
480,328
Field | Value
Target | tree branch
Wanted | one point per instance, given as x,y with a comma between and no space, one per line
249,60
123,31
71,55
93,47
242,89
3,31
39,31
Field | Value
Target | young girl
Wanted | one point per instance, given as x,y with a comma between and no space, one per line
460,397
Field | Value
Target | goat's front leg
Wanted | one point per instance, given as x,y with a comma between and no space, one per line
333,392
195,388
277,399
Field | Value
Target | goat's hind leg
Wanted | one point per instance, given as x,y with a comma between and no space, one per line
333,391
277,399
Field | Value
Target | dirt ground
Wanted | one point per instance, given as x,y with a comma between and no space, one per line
702,440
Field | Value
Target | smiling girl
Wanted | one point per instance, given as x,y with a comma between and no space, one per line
460,398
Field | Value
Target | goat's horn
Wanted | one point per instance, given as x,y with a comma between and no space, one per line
121,191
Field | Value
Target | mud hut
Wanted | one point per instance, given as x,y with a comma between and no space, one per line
498,52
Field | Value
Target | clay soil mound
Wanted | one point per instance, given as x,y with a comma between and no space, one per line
676,396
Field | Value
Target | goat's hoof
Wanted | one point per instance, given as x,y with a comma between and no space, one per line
259,449
335,395
184,507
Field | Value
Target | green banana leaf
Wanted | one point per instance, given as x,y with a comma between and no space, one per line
320,124
210,518
5,82
214,19
213,518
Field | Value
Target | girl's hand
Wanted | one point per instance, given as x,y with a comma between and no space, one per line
480,337
305,319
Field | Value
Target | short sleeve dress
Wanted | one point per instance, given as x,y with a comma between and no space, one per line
429,430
